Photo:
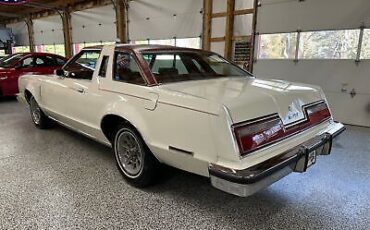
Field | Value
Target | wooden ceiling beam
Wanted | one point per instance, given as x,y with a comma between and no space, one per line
70,5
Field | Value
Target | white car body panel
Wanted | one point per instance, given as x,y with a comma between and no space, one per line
194,117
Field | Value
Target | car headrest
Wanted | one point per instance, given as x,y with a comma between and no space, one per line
168,71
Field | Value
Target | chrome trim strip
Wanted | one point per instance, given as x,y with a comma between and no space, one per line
174,149
184,107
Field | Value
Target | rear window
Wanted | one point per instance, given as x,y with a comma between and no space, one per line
170,67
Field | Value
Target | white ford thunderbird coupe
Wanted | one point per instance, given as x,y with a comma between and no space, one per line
186,108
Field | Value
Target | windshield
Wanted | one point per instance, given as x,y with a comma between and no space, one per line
178,66
11,60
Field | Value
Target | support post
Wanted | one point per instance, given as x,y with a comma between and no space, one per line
359,46
31,38
66,18
207,24
229,29
254,35
121,21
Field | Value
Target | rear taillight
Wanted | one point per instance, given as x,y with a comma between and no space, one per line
317,113
254,135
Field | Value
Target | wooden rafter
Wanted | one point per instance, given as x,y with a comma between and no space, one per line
48,8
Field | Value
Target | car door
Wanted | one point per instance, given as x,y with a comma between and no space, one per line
71,99
25,66
44,65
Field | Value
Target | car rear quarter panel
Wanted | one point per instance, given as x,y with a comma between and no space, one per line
180,136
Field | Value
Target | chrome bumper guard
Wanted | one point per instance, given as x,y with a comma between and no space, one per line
249,181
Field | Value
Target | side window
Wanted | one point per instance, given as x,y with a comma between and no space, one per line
28,62
168,64
83,65
126,69
44,61
103,67
60,62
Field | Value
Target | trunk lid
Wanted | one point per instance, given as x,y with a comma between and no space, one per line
248,98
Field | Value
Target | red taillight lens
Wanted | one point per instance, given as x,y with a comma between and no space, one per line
252,136
318,113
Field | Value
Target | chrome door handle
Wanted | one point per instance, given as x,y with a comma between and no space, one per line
80,90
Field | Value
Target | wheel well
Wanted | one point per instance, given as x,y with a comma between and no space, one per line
27,95
110,123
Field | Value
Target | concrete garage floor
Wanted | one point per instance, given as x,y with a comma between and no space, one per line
56,179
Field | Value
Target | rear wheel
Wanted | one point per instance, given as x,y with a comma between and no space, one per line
134,159
40,120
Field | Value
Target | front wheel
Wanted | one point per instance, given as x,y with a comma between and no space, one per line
40,120
134,159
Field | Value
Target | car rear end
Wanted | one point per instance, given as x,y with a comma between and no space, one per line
268,149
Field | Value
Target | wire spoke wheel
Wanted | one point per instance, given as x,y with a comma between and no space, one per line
35,112
129,154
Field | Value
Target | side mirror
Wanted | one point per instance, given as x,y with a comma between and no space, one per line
59,72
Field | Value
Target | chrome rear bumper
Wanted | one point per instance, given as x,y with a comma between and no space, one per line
249,181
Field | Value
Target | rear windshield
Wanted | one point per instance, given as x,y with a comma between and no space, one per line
170,67
11,60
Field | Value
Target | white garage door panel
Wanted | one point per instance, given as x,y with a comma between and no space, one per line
285,16
164,19
20,33
219,6
48,30
242,25
218,27
94,25
350,110
330,75
243,4
218,47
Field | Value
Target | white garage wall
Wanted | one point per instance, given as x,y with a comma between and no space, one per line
290,15
331,75
20,33
94,25
242,23
165,19
48,30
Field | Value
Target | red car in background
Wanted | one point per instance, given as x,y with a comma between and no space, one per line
16,65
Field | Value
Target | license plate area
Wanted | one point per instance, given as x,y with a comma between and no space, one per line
310,151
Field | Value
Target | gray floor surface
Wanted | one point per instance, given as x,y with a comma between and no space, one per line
56,179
